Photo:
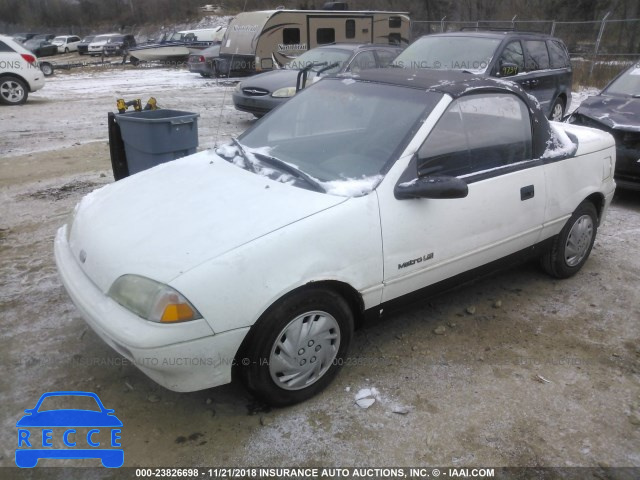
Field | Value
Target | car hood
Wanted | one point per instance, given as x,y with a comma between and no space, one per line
273,80
618,113
164,221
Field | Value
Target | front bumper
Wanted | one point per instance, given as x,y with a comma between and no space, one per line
182,357
259,105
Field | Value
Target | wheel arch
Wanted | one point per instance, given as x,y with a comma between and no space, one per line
19,77
598,201
346,291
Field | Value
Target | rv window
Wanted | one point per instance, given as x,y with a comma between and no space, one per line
395,22
350,30
291,36
325,35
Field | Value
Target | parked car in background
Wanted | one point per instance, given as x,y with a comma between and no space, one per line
66,43
83,46
538,63
36,41
203,62
119,45
23,37
355,196
19,72
41,48
96,47
262,93
616,110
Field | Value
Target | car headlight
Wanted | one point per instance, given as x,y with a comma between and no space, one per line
238,87
152,300
284,92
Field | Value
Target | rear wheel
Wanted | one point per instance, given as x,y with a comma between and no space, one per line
557,112
46,68
296,349
571,248
13,91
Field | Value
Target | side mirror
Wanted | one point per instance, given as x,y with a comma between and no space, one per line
436,186
508,69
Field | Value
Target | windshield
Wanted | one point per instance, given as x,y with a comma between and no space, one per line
87,39
449,53
627,84
59,40
115,39
338,132
102,38
329,56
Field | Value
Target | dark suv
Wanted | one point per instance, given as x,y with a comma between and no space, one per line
538,62
119,45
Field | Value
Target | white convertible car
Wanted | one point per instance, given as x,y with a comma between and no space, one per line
262,256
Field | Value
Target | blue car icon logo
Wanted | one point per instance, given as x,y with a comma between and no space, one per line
69,433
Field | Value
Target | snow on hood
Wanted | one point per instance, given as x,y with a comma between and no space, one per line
166,220
618,113
559,143
345,187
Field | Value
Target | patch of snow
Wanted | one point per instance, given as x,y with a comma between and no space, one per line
352,187
559,143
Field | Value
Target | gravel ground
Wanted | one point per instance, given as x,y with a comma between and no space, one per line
515,370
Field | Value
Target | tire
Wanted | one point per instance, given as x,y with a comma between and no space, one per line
13,91
66,50
205,75
297,347
47,69
571,248
134,61
557,111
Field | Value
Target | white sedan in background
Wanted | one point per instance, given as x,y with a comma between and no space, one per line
66,43
358,194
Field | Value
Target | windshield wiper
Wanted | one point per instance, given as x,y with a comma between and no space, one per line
244,156
328,67
285,167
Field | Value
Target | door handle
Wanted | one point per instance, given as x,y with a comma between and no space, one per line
527,192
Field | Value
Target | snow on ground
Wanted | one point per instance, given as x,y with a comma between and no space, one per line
72,107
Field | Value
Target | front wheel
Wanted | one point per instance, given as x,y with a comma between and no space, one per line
66,50
296,349
13,91
571,248
557,112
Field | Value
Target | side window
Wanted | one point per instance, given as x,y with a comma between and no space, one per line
325,35
475,134
5,48
498,130
395,22
513,53
445,151
362,61
557,54
291,36
350,29
385,57
538,58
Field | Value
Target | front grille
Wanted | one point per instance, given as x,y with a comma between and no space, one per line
255,92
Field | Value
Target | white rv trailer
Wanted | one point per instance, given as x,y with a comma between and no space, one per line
268,39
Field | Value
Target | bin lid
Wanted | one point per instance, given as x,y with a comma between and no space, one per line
157,116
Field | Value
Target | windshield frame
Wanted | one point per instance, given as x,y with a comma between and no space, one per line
401,139
296,65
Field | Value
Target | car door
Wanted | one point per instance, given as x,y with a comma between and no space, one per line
542,79
484,139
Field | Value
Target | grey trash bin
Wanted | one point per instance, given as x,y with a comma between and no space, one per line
153,137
